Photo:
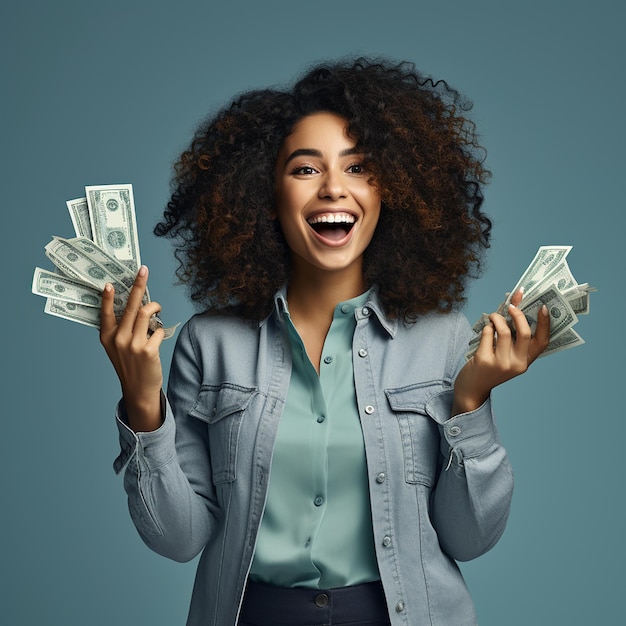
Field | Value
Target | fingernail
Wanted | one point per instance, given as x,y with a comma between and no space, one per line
108,287
544,310
143,270
512,306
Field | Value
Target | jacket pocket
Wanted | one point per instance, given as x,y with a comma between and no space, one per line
418,431
222,407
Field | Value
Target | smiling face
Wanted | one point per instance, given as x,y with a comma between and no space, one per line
326,207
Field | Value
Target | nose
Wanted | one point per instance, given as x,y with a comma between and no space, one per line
333,185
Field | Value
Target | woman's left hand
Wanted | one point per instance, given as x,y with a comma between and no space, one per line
500,357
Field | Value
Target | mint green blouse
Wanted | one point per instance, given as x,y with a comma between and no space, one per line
317,528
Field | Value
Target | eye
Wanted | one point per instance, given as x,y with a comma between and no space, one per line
303,170
356,168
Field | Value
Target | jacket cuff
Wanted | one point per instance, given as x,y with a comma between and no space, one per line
468,434
155,448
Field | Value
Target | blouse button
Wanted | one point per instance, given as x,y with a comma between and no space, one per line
345,308
319,500
320,418
328,360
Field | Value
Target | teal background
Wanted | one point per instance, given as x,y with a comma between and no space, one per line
107,92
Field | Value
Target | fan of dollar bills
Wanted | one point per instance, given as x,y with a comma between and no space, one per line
105,250
547,280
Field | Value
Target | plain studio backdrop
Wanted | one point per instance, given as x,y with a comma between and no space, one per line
110,92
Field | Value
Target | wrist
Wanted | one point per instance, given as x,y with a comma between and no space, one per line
144,414
462,404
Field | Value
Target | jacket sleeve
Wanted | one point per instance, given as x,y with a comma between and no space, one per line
471,500
168,472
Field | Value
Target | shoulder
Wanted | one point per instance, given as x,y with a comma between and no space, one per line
223,347
436,340
217,323
449,326
451,320
450,323
211,328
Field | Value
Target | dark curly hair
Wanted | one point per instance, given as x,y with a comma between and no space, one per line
419,146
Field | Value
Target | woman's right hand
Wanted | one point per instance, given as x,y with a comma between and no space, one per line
135,354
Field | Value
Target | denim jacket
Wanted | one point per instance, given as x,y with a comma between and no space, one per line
440,487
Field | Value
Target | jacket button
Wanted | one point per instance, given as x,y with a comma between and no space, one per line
454,431
400,607
380,478
362,352
321,600
365,310
369,409
386,541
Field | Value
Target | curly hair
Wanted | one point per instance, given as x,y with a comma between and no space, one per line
418,144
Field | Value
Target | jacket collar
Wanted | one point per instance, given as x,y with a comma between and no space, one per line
371,307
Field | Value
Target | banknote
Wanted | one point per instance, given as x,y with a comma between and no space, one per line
59,287
87,315
547,280
561,314
79,214
90,316
568,339
578,298
88,264
113,222
545,261
105,250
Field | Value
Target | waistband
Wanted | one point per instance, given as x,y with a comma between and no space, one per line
266,605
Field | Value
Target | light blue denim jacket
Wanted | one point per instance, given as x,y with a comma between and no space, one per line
440,487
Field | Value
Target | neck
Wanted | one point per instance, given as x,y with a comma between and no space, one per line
312,298
318,293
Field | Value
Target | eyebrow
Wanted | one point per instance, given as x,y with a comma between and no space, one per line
317,153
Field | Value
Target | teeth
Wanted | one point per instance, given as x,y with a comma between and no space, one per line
332,218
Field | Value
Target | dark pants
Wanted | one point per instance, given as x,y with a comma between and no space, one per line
360,605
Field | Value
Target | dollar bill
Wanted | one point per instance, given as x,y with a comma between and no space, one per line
547,280
80,259
79,214
568,339
561,314
90,316
560,276
105,250
59,287
578,298
545,261
113,222
87,315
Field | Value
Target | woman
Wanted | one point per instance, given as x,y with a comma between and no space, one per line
322,442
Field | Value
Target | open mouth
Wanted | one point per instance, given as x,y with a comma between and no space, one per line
332,226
